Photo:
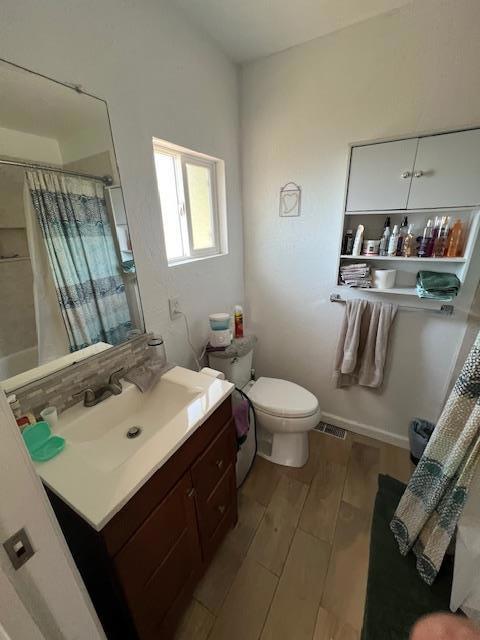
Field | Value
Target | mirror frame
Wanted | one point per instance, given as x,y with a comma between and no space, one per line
143,331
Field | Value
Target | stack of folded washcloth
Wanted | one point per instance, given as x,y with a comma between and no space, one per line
437,286
356,275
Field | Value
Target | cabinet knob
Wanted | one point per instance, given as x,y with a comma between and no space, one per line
406,174
222,508
418,174
219,464
191,492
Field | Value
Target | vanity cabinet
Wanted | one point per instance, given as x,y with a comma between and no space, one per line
426,172
142,567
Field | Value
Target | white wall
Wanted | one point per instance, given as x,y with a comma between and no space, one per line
160,78
416,69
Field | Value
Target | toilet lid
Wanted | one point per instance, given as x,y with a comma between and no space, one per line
282,398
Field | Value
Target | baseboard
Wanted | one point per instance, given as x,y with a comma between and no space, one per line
366,430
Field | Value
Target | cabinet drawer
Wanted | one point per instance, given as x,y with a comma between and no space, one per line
212,464
219,508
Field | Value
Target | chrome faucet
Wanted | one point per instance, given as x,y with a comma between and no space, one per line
92,396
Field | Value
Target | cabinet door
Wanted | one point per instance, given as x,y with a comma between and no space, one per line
160,564
447,171
380,175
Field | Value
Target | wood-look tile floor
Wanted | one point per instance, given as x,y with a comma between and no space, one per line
295,566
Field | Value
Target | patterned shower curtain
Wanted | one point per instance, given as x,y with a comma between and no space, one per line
428,513
81,251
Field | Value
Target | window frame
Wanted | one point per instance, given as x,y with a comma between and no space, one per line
181,158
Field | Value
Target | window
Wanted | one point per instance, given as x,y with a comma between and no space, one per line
188,186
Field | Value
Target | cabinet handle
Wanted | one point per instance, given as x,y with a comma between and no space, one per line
191,492
406,174
219,464
222,508
418,174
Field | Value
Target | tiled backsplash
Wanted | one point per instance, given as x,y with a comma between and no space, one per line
59,388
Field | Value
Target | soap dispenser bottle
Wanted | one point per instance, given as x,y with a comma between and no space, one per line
409,248
384,241
402,235
393,242
426,242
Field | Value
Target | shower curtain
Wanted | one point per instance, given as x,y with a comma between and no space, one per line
81,252
428,513
52,341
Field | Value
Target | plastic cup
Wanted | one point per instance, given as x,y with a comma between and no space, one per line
50,415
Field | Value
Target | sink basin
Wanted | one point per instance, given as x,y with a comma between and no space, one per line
101,468
109,433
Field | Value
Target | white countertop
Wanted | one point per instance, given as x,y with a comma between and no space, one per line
97,493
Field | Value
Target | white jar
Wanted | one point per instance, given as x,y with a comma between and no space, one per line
384,278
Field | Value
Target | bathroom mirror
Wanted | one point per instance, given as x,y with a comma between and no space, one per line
68,286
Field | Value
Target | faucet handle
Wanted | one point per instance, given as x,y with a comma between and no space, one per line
115,377
88,395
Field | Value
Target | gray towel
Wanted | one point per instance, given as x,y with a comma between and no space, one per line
363,342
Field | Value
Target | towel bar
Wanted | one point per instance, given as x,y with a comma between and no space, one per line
445,309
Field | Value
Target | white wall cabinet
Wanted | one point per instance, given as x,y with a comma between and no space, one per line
447,171
380,175
428,172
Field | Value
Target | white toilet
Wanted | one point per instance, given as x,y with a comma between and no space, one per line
285,412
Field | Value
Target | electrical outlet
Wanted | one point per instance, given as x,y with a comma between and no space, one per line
174,306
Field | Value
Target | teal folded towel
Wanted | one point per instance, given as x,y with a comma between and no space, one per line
436,285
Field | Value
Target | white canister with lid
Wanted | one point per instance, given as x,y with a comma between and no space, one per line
219,321
384,278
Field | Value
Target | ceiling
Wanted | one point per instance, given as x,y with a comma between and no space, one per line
249,29
34,104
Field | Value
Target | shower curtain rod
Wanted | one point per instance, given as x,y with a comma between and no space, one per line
445,309
107,180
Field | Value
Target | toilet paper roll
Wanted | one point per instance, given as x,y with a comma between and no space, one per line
213,373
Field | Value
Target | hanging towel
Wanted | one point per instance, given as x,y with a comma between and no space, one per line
430,508
363,342
240,416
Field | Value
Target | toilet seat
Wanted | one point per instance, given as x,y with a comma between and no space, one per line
283,399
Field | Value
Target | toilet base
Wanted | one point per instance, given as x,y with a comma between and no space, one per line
287,449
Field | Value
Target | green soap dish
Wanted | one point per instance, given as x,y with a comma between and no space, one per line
41,445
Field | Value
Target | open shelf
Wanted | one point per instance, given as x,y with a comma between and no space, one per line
399,291
401,258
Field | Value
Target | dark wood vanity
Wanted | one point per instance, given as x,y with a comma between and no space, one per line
142,567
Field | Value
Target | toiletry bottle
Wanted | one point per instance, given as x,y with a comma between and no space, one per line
402,235
357,245
392,243
14,405
440,243
425,247
347,244
409,248
238,320
384,242
387,223
455,241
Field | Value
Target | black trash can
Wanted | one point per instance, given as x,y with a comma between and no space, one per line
419,434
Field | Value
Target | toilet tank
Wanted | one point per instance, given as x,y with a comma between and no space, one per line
236,361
